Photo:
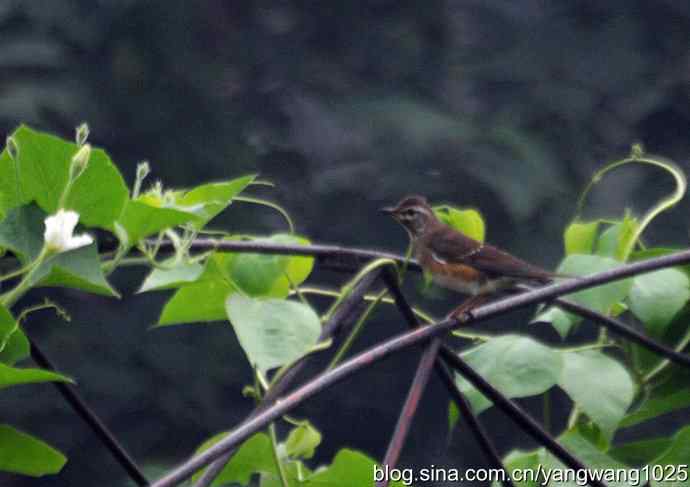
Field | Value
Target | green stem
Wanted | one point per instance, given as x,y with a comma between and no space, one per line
589,346
276,456
386,300
347,288
12,296
666,362
15,273
356,330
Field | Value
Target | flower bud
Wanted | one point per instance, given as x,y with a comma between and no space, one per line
82,134
12,148
80,162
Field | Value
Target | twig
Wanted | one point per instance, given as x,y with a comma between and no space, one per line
617,326
83,410
342,315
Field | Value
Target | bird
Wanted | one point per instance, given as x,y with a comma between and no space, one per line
458,262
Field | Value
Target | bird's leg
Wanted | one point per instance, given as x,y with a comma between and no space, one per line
463,313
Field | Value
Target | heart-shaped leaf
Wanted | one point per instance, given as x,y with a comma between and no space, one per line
40,172
656,297
273,332
599,385
517,366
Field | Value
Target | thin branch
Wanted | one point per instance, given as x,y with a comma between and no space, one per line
341,317
617,326
419,383
83,410
446,376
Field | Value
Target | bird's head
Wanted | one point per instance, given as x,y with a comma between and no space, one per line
413,213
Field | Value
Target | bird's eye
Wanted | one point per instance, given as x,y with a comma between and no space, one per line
409,213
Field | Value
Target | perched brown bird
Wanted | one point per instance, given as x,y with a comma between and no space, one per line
458,262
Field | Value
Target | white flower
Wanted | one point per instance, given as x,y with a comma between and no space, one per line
59,228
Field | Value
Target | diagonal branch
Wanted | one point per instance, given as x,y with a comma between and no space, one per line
446,376
97,425
341,318
419,383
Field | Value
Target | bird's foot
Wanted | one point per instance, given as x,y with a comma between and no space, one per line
463,313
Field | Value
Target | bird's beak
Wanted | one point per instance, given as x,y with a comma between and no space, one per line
388,210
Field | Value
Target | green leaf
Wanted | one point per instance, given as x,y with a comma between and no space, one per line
517,366
11,376
8,326
270,275
295,472
302,441
22,232
656,297
178,276
641,452
677,454
40,173
579,237
586,452
225,272
669,396
140,220
453,416
23,454
599,385
524,462
349,468
469,222
209,200
615,241
199,302
556,317
272,332
16,348
77,269
254,455
601,298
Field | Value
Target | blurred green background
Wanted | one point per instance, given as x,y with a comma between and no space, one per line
504,106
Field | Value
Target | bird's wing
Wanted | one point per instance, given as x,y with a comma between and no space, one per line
449,246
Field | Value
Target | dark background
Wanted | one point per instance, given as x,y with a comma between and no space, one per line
500,105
